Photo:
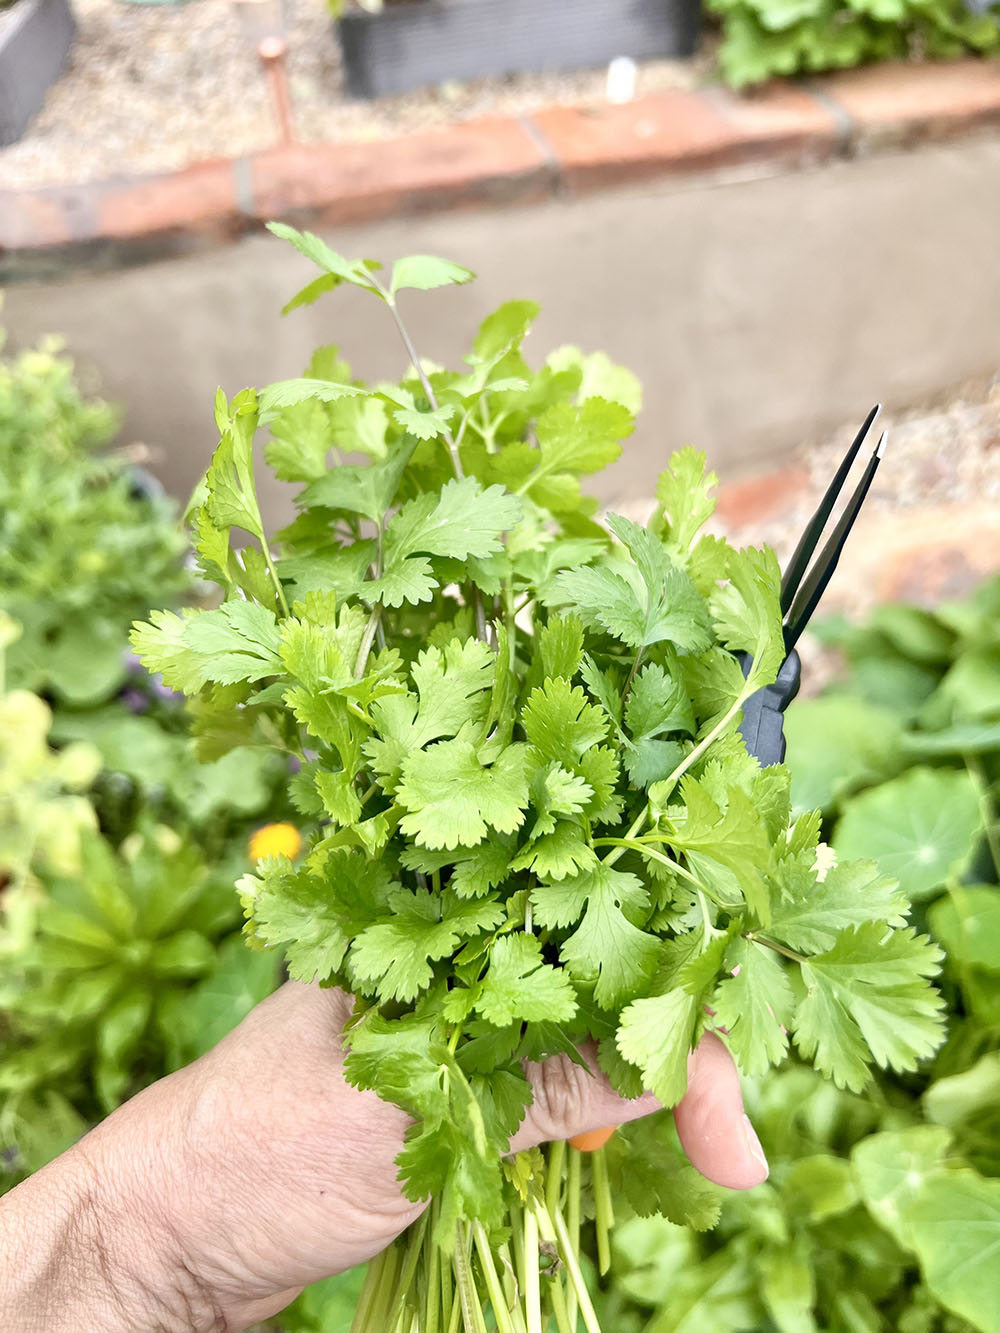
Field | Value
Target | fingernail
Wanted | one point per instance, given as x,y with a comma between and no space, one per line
754,1148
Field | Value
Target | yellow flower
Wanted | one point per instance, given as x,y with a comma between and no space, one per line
275,840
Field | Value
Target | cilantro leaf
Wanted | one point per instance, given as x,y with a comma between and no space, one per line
237,642
851,894
452,798
396,953
868,998
685,502
754,1004
520,984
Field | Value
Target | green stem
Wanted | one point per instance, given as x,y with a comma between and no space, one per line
754,938
432,1288
366,641
573,1211
532,1288
565,1315
501,1312
414,1247
631,676
554,1173
569,1258
431,397
274,576
468,1296
448,1303
604,1212
363,1309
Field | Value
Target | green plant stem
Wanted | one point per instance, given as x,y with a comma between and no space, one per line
532,1288
686,763
554,1173
573,1211
368,1290
572,1262
987,808
414,1246
448,1303
754,938
501,1312
604,1212
565,1319
282,602
432,1287
468,1296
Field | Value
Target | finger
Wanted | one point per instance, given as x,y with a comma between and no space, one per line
714,1131
570,1100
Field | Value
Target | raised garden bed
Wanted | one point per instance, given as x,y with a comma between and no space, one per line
35,36
411,43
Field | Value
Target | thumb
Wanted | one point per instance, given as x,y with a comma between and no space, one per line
713,1129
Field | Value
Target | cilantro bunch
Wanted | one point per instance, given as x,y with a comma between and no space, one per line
533,819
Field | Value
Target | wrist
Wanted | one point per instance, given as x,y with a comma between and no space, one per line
85,1246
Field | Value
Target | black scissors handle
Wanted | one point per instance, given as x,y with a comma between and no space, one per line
763,713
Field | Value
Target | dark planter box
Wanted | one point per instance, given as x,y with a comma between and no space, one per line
35,36
417,42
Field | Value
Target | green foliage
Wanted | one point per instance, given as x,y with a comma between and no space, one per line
882,1211
82,552
108,968
761,38
532,820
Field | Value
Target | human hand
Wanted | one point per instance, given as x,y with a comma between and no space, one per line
221,1191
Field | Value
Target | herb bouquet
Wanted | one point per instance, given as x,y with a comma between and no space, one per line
534,819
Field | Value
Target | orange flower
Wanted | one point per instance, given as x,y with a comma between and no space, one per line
275,840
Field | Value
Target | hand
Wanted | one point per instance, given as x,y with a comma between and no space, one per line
218,1193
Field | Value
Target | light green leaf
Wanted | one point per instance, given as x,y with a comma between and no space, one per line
424,273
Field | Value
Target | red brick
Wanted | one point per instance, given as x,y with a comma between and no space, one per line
901,103
685,132
485,161
202,198
38,219
759,499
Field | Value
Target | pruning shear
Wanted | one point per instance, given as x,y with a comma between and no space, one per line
763,713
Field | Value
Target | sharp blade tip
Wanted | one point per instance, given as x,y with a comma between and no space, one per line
880,447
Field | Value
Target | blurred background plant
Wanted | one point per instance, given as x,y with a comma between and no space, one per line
761,38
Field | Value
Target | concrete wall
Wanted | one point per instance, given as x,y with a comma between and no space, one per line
758,313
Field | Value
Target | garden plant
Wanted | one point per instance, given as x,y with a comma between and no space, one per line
532,822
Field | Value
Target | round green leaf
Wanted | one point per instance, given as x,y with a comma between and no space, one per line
921,828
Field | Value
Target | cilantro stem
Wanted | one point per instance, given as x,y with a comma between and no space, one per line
282,601
501,1312
686,763
532,1289
754,938
432,1291
367,639
573,1211
572,1262
631,676
604,1212
987,809
429,393
468,1296
414,1245
554,1173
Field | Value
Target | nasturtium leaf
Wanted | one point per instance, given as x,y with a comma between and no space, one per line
967,924
921,827
837,744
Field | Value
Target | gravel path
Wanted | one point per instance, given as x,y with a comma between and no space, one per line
155,87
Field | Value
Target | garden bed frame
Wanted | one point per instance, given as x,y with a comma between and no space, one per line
35,36
417,42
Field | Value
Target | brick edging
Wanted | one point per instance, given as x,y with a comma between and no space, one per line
559,150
